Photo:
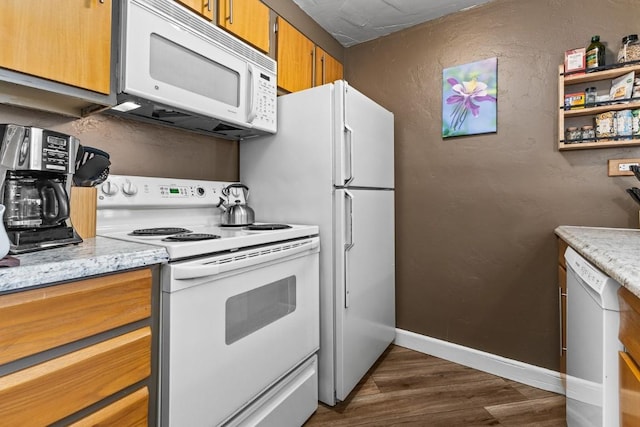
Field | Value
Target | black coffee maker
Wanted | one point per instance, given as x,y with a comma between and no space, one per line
36,171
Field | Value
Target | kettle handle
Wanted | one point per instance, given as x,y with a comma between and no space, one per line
225,190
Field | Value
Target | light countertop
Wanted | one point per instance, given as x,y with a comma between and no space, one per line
615,251
95,256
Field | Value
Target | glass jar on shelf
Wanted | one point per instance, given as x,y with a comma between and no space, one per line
572,135
588,133
590,95
632,48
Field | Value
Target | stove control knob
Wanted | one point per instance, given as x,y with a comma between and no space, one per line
109,188
129,189
200,191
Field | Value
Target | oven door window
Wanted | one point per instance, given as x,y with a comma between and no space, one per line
185,69
251,311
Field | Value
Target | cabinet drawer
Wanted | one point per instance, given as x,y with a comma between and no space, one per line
40,319
629,391
630,322
131,410
63,386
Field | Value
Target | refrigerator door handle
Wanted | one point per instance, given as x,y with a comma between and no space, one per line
349,152
348,244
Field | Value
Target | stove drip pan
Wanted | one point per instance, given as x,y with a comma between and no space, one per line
159,231
190,237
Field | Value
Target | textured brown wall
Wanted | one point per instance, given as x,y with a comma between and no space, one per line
138,148
476,253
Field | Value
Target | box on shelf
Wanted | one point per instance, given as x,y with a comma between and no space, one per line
573,101
575,61
622,87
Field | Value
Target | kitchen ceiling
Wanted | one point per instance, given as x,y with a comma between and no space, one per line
355,21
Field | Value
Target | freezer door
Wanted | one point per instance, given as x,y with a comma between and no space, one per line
365,282
364,138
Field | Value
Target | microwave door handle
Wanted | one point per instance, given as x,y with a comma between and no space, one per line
251,111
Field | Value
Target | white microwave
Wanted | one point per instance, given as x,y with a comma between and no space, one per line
177,69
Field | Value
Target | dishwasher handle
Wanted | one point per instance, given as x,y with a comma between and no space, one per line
241,260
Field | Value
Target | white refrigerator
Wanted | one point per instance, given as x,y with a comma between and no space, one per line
331,164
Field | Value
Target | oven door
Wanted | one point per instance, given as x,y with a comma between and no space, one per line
232,326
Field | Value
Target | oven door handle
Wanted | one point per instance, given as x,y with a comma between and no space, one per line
186,272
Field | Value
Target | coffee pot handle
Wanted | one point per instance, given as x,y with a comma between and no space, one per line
59,199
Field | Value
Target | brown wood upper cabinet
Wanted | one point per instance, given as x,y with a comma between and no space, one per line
68,42
295,58
328,69
203,7
247,19
302,64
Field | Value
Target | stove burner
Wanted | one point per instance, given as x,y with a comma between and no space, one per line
262,227
190,237
159,231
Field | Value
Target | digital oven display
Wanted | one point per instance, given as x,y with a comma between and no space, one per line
174,192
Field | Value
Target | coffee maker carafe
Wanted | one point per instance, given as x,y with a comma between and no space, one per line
36,170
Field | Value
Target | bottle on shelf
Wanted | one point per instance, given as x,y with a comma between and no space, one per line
595,54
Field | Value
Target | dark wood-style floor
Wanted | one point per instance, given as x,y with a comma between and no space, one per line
409,388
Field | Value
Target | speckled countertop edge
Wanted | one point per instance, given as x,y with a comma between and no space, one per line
615,251
95,256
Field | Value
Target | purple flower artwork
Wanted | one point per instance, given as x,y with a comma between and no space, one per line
469,98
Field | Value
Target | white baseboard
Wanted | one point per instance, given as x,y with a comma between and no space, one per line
524,373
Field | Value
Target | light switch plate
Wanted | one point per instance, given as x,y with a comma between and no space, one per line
620,167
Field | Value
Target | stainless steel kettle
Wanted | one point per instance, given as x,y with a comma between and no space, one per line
235,211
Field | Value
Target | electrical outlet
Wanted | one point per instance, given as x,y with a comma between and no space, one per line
622,167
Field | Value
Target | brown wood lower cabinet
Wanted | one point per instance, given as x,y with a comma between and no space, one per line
79,352
131,410
629,371
562,300
629,391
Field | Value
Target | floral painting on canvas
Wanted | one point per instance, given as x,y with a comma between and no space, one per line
469,98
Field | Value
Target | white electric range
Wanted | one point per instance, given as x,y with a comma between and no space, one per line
239,307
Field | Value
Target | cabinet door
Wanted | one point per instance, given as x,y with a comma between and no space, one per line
328,69
247,19
629,391
562,295
68,42
295,58
203,7
629,322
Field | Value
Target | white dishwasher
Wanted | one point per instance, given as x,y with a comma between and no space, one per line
593,317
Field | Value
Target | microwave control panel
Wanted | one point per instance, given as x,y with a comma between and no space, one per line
265,102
